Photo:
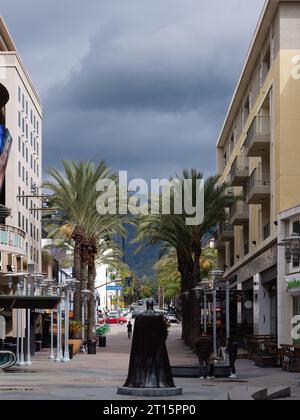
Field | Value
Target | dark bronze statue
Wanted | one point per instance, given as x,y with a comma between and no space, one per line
149,362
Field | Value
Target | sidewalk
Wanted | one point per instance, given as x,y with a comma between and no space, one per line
97,377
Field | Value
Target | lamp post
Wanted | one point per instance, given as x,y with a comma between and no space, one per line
58,358
200,289
69,285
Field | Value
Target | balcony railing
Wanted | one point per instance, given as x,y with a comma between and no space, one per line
226,232
239,213
12,237
258,188
267,231
239,172
257,142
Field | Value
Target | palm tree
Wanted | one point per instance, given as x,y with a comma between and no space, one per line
187,241
74,193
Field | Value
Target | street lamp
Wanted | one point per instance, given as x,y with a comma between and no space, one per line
292,248
69,285
202,287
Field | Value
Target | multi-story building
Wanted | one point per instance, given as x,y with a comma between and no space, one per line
258,155
21,114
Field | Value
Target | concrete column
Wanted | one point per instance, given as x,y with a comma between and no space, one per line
285,301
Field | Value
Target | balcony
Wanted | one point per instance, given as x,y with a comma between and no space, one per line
12,240
239,213
259,189
258,139
239,172
226,232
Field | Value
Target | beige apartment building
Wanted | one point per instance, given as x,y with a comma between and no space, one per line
21,114
258,155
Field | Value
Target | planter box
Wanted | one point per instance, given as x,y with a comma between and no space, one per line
264,361
76,345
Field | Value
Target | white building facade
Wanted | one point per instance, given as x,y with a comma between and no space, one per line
20,242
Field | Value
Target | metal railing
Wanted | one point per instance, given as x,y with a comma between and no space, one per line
240,164
225,227
260,127
11,236
267,231
256,179
239,207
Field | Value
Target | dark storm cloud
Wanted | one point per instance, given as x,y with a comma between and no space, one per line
144,84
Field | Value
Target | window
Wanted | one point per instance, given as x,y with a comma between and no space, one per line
23,150
19,94
31,229
296,229
37,127
19,194
34,122
34,166
31,139
27,131
23,101
20,146
31,116
27,108
23,125
23,173
38,170
19,220
26,226
23,222
19,120
37,148
31,162
19,169
26,154
34,144
27,178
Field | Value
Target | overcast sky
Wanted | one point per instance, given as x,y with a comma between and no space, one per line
142,84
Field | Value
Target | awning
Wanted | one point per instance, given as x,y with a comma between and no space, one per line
29,302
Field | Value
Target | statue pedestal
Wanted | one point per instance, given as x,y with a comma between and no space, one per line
150,392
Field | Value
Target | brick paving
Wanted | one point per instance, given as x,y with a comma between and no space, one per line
98,376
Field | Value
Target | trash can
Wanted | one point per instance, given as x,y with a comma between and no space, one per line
102,341
92,347
71,351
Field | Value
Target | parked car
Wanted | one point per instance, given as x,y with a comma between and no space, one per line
172,318
119,320
135,313
140,302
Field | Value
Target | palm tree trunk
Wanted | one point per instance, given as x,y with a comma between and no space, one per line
91,304
78,276
195,303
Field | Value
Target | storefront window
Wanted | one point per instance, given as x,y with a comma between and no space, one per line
296,311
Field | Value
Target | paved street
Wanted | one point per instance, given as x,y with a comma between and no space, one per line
97,377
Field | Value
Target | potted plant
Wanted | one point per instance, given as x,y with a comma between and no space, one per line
75,328
102,332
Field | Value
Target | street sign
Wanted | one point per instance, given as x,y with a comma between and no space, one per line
114,288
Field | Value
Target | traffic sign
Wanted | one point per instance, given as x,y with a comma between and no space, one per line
114,288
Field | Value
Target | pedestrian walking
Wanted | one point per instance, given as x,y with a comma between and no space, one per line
204,349
232,349
129,330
